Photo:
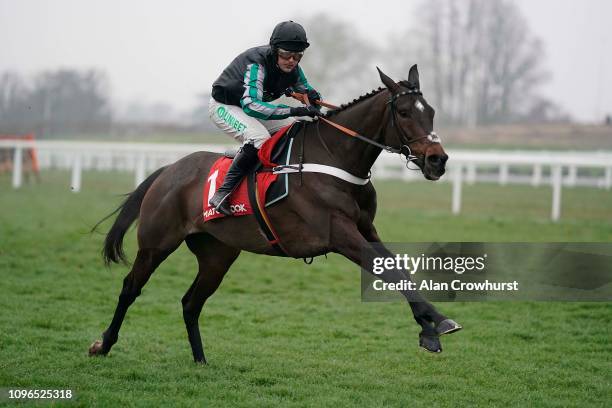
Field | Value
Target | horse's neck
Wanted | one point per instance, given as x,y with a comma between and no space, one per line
349,153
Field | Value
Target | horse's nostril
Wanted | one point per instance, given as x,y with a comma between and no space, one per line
434,159
444,158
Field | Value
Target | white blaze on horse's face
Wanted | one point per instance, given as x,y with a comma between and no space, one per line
419,106
433,137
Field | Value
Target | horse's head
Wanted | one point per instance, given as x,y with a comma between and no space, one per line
411,125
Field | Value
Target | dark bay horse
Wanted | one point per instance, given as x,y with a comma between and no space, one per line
322,213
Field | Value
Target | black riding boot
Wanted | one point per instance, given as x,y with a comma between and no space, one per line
244,161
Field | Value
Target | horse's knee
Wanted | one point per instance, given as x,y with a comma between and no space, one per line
185,299
190,316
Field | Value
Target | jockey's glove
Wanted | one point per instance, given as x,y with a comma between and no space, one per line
305,111
313,95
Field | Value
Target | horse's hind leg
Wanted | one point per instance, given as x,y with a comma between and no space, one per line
147,260
214,259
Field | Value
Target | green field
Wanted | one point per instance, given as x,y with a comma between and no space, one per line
280,333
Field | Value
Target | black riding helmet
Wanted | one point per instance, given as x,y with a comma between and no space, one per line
289,36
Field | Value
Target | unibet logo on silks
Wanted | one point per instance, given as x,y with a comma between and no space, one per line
229,119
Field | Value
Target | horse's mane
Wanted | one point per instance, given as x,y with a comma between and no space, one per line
345,106
373,92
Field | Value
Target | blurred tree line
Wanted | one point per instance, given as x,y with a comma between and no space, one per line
63,101
484,65
479,62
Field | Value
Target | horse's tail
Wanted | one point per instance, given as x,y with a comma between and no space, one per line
129,211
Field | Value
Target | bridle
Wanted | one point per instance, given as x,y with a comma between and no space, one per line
404,149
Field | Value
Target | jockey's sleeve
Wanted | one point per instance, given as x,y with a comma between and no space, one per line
252,100
302,84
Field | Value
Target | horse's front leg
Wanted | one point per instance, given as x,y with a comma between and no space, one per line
352,241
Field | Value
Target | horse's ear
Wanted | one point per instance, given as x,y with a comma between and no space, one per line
413,78
389,83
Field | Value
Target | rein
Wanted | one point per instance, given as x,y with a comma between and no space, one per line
352,133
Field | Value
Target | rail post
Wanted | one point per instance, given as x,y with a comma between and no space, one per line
75,182
557,183
457,180
17,167
503,173
140,168
572,175
607,181
536,178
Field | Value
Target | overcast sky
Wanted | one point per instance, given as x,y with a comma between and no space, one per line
169,51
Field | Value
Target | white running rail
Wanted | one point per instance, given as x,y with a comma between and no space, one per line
563,168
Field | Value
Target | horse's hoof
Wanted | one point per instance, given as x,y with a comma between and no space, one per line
96,349
448,326
430,343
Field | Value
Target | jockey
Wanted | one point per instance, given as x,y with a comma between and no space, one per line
240,103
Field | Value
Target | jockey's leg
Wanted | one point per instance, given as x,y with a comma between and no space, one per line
243,163
248,131
274,126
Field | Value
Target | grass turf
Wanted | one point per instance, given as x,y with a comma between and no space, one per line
279,332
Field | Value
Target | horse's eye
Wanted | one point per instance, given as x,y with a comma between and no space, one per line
403,113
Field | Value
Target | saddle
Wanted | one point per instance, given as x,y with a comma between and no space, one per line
271,188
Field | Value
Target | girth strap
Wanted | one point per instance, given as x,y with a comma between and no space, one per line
260,215
320,168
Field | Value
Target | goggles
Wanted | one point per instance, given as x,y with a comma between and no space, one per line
286,55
